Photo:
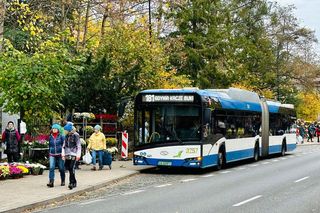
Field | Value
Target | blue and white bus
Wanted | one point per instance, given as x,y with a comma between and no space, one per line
204,128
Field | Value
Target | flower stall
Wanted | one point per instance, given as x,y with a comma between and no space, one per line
36,149
18,170
85,121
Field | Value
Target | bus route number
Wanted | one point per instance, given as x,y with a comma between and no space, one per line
192,150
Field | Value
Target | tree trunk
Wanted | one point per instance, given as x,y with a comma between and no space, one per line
78,26
104,20
2,17
159,18
86,24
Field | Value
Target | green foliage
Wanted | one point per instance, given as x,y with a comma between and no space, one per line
126,63
32,85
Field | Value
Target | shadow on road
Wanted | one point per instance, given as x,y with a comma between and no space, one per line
193,171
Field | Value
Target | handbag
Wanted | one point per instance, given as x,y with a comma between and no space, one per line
87,158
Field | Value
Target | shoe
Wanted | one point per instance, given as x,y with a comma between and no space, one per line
70,186
93,168
50,184
100,167
63,183
110,166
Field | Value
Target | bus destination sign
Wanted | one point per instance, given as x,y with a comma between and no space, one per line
167,98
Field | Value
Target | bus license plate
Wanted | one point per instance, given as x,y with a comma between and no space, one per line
164,163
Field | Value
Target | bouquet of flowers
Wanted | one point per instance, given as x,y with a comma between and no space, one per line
15,171
88,129
4,171
107,117
86,115
110,142
40,144
27,144
23,169
112,150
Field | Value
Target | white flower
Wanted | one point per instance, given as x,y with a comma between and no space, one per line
112,150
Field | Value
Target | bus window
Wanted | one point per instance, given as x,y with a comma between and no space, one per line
165,124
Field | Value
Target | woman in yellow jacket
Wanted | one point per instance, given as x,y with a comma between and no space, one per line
97,143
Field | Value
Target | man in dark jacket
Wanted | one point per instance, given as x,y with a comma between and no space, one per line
11,138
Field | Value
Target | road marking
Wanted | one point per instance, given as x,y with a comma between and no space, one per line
264,163
253,165
132,192
164,185
188,180
283,158
205,176
291,156
275,160
247,201
90,202
224,172
297,181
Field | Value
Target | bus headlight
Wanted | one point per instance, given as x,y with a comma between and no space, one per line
194,161
137,159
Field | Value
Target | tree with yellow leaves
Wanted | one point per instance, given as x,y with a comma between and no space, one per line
309,106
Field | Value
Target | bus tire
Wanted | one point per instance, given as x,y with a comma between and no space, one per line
256,153
221,161
283,149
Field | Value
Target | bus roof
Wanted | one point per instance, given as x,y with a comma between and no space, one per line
232,98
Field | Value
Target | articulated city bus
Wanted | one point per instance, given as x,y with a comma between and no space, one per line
204,128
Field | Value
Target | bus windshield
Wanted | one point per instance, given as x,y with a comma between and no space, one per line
165,124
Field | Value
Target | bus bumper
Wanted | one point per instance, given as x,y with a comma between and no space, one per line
191,163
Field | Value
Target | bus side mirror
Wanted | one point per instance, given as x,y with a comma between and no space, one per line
207,116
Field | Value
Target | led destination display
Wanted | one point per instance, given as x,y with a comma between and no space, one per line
167,98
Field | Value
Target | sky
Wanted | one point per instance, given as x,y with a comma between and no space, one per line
308,14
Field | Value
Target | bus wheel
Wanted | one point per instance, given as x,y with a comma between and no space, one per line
256,153
283,149
221,160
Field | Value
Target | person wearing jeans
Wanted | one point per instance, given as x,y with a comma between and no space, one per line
56,140
97,143
95,154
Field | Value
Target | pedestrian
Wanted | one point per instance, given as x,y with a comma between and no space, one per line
311,130
97,143
11,138
318,132
71,152
302,132
56,140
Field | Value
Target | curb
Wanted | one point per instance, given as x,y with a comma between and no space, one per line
32,206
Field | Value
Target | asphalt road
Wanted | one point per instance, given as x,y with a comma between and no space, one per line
277,184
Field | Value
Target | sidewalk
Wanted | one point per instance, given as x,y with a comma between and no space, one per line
31,191
309,143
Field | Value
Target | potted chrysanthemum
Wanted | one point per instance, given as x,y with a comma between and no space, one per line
4,172
15,172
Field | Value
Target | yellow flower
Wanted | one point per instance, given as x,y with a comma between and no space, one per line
24,169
